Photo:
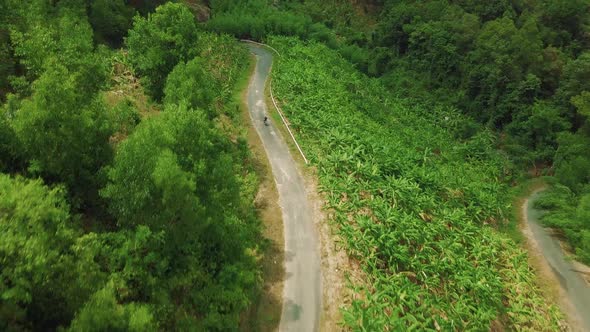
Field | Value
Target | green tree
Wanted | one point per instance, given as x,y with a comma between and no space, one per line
487,10
191,84
501,71
104,313
184,180
572,160
68,38
567,21
129,261
159,42
390,32
439,47
574,82
537,130
582,104
551,70
7,65
146,6
11,154
7,59
175,174
38,288
65,129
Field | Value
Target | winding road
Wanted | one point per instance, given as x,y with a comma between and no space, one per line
302,289
575,288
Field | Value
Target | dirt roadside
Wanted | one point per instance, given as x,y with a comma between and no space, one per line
335,264
336,267
549,279
334,261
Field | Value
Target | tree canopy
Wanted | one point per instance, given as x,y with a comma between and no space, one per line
159,42
121,211
65,130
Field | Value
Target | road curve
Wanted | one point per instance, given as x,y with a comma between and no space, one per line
302,289
578,292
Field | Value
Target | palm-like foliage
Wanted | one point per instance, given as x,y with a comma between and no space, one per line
412,202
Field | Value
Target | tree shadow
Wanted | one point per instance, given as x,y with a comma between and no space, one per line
265,313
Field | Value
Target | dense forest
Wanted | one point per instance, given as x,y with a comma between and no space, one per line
127,186
125,204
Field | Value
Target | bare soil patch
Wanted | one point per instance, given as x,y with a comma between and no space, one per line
126,86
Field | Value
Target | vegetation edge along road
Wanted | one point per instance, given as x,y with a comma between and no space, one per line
573,291
264,314
302,288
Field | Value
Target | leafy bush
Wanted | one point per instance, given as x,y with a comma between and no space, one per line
37,267
64,129
176,174
190,84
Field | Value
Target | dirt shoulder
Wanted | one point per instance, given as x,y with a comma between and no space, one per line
547,279
335,264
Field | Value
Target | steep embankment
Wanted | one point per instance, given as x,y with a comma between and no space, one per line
415,199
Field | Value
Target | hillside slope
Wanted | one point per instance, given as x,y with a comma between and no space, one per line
414,198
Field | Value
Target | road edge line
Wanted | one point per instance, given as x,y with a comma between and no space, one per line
285,123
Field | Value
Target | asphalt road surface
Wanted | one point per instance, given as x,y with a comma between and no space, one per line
302,289
578,292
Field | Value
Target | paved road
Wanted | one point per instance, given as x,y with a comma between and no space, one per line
576,288
302,290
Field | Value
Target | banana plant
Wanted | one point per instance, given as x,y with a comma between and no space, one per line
412,203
